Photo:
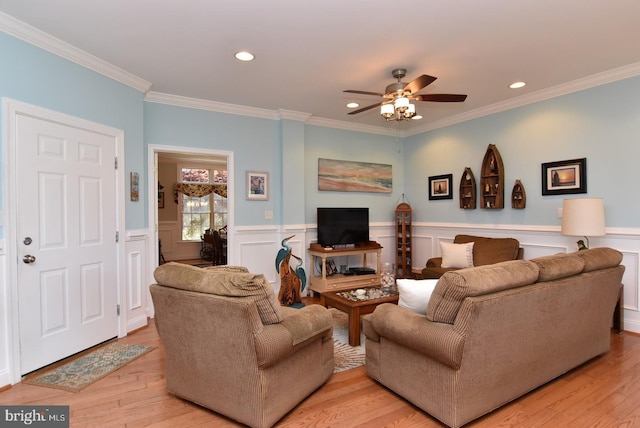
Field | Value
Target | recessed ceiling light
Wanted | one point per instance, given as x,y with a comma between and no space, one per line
516,85
244,56
353,105
416,117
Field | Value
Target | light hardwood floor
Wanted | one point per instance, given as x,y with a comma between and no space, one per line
604,392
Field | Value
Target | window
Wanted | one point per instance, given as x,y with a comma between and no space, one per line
206,212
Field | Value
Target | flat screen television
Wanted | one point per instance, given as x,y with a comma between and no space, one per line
343,227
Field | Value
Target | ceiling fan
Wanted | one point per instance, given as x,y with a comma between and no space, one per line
395,104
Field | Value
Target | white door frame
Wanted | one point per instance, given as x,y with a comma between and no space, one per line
13,108
152,192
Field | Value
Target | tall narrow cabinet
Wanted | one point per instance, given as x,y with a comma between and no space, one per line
403,240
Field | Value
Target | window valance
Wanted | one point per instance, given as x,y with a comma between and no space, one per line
196,190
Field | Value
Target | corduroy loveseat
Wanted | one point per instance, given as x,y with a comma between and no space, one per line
229,345
493,333
485,251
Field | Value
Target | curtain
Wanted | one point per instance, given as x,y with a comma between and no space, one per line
199,190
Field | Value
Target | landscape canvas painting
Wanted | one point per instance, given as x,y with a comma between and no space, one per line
348,176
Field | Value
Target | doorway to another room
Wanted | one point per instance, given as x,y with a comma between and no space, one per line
194,208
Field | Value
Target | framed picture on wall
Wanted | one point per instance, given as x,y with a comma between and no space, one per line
564,177
257,186
440,187
134,186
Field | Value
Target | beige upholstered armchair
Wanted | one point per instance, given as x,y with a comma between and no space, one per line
232,348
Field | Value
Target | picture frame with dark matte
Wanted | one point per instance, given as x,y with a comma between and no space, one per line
564,177
440,187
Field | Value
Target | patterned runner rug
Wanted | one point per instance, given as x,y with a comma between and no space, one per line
346,357
84,370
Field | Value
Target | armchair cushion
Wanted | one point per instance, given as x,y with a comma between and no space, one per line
307,322
457,255
253,287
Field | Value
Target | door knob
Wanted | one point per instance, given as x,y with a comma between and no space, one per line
28,259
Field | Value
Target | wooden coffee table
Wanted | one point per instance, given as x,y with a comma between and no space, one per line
354,309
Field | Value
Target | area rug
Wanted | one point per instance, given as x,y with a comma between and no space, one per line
82,371
346,357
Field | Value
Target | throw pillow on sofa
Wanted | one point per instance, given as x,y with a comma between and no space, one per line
415,294
457,255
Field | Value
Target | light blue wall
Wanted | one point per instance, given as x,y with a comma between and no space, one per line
255,143
258,145
31,75
339,144
293,211
601,124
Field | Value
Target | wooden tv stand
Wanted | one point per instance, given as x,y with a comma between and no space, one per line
336,282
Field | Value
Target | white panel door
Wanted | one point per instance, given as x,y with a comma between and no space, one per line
66,226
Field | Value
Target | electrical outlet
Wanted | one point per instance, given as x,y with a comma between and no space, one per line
268,215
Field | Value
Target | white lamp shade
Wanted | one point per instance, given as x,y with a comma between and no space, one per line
401,102
386,109
411,109
583,217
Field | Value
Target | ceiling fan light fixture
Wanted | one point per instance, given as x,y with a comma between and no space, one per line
401,103
387,111
400,109
396,100
411,110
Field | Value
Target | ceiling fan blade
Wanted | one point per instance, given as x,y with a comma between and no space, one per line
419,83
441,98
360,110
352,91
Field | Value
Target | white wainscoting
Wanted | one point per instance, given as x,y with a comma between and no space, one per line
173,247
5,320
542,241
137,301
257,247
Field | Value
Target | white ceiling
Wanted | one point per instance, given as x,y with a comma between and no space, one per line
308,52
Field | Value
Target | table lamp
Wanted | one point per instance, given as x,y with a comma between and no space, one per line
583,217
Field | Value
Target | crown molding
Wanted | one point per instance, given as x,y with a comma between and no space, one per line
293,115
598,79
200,104
358,127
40,39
